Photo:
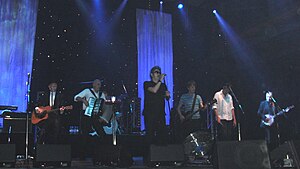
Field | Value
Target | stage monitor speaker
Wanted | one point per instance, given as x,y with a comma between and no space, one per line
53,153
243,155
108,154
167,153
291,148
7,153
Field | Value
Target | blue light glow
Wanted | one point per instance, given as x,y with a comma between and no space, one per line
214,11
180,6
17,35
155,47
240,48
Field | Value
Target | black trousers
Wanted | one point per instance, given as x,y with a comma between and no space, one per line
271,136
49,129
156,130
225,131
88,125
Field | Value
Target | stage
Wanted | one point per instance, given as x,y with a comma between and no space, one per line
132,152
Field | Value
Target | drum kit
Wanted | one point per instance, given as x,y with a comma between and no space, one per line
115,114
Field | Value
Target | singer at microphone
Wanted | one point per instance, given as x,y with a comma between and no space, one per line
155,93
272,98
265,110
269,96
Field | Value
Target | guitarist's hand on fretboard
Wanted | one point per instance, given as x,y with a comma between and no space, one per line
61,110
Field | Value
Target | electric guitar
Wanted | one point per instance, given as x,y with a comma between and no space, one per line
41,113
271,118
188,115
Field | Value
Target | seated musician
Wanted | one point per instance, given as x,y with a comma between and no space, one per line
50,127
188,110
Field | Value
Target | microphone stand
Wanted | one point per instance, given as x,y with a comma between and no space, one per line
210,121
240,106
168,99
27,117
277,124
128,121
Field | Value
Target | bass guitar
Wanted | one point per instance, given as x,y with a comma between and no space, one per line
188,115
41,113
271,118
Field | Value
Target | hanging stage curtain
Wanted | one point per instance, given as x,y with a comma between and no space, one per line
17,34
154,46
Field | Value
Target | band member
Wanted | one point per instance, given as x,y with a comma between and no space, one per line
89,122
268,107
224,113
50,127
191,104
155,92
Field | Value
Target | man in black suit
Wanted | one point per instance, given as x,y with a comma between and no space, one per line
50,127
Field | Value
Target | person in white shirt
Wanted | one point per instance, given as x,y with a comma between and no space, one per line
224,113
90,122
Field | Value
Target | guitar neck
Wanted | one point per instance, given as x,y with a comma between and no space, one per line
53,110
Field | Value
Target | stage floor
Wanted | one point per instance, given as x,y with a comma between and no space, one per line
88,164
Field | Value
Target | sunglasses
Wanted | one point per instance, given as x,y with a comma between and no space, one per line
158,72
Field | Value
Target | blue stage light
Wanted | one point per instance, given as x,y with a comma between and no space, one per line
161,2
214,11
180,6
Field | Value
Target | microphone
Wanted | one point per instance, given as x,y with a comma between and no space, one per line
273,99
164,74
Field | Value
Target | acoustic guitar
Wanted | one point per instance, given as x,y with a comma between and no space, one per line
41,113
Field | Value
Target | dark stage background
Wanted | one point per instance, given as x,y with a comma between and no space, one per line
77,42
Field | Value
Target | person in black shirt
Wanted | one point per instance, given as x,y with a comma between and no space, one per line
268,107
50,127
155,92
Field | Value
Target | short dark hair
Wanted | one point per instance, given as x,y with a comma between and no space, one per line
190,83
51,82
153,69
227,85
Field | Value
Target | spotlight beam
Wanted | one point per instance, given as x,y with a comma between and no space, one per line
241,50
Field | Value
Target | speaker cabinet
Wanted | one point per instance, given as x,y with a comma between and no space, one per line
290,148
168,153
15,122
53,153
107,154
243,155
7,153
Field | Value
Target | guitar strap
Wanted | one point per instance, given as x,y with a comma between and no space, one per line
94,93
194,101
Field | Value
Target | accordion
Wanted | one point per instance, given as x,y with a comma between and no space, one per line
94,108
